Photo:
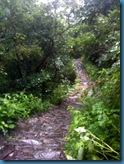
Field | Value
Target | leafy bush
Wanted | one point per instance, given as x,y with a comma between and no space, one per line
66,69
15,106
3,80
101,138
58,94
91,69
87,146
100,117
38,84
69,72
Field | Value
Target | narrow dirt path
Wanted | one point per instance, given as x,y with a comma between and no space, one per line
41,136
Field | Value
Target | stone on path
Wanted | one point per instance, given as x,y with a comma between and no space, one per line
47,155
31,142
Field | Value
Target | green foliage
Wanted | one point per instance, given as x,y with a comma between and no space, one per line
59,93
68,71
86,146
92,70
3,80
109,82
33,48
100,115
66,76
16,106
104,125
94,133
99,43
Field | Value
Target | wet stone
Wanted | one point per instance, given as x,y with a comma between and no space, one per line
47,155
10,155
31,142
1,147
47,141
33,121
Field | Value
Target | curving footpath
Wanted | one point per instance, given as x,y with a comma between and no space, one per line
41,137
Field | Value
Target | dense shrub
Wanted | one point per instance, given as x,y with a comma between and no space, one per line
59,93
95,130
16,106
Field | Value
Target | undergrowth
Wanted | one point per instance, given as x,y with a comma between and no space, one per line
16,106
94,133
59,93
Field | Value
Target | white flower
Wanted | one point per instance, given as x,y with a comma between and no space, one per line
86,138
80,129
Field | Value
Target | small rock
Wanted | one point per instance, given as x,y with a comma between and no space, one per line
1,147
31,142
73,97
47,155
10,155
78,103
33,120
47,141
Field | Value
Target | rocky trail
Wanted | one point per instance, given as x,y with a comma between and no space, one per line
41,137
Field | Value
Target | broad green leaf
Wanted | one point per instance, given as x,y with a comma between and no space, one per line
80,153
11,126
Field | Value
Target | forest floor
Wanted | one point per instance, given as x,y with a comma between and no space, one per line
41,137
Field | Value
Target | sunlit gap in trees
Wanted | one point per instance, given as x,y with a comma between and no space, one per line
48,1
68,7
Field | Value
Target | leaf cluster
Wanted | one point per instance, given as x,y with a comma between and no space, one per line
17,106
